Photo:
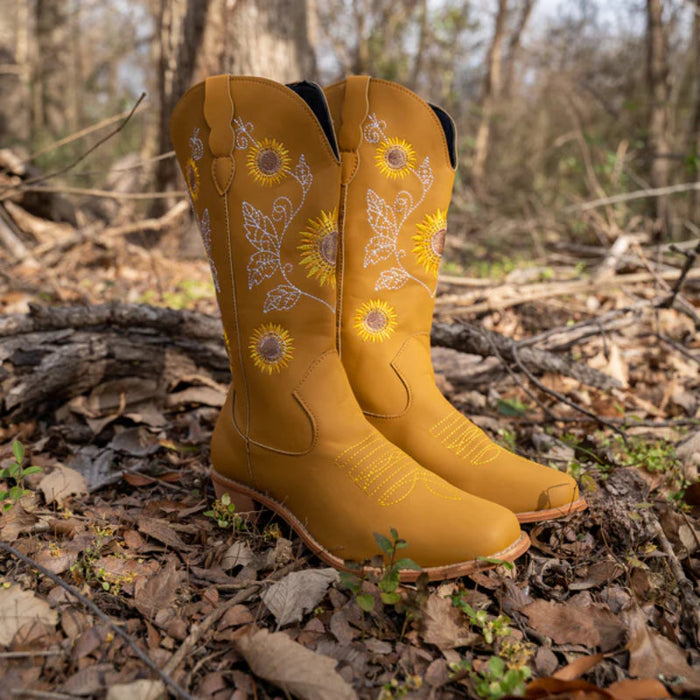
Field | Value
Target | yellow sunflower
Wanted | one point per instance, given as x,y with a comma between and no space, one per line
430,240
375,320
319,247
395,158
268,162
271,347
192,177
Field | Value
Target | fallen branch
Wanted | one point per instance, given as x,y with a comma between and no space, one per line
637,194
472,339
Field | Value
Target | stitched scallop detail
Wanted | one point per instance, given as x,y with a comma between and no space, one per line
464,439
387,474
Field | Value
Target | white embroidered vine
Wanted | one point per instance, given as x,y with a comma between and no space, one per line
266,232
387,219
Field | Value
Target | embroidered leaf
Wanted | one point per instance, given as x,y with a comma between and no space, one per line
261,266
380,214
281,298
393,278
196,146
425,174
378,248
260,230
303,173
215,275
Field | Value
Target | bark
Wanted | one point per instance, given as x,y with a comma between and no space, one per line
514,47
658,118
52,355
693,141
14,71
491,90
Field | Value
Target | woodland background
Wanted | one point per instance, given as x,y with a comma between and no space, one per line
567,325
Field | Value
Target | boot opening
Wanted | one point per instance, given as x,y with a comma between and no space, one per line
314,97
448,126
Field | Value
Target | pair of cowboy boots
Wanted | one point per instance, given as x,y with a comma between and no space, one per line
323,216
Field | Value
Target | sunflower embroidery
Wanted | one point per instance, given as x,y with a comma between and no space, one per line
395,158
375,320
271,347
430,241
192,177
319,247
268,162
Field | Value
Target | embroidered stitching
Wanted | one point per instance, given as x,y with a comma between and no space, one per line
396,159
262,229
375,320
430,241
388,474
271,347
465,439
319,247
192,171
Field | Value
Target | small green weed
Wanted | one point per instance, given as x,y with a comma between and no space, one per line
395,689
388,581
14,475
224,513
490,629
496,680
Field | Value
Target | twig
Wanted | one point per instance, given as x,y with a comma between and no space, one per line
29,654
690,257
213,617
106,194
637,194
79,159
40,694
79,134
691,603
564,399
148,224
164,676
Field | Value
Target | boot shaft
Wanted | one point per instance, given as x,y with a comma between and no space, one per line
398,155
260,163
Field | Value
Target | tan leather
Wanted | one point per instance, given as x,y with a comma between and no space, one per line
264,181
393,231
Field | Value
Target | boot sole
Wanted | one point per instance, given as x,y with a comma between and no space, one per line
536,516
246,500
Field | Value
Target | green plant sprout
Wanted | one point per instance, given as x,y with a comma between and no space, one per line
14,474
224,513
490,629
496,680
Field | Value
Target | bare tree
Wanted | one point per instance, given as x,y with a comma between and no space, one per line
491,90
514,46
658,122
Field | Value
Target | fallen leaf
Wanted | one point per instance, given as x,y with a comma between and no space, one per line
18,607
138,690
161,530
294,668
443,626
137,442
62,483
652,654
16,521
238,554
159,590
591,625
297,593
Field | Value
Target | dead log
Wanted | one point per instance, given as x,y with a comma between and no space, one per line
52,355
466,337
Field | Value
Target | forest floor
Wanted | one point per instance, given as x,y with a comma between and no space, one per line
178,589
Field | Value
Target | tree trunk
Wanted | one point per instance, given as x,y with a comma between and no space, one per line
693,141
658,139
514,47
491,90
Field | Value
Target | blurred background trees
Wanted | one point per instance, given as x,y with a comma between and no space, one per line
557,102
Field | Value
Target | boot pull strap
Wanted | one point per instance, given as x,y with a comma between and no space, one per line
355,108
218,113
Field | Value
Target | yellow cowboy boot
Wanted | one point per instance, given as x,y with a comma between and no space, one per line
261,164
398,157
